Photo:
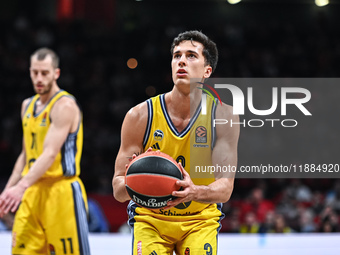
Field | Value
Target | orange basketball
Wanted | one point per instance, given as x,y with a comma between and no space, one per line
151,178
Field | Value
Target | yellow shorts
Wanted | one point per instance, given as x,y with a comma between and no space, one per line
52,219
155,234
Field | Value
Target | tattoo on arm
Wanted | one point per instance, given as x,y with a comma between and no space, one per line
136,153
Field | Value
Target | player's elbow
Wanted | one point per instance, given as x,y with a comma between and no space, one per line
228,191
119,191
120,198
226,198
50,154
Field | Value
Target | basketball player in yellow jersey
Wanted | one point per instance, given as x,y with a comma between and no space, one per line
52,216
190,223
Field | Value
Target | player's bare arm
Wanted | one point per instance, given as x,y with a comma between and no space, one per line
132,134
65,117
224,153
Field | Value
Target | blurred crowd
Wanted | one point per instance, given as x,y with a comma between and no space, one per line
297,207
93,68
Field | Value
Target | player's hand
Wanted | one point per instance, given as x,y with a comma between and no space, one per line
10,199
187,194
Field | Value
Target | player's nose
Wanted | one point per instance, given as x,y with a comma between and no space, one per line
182,61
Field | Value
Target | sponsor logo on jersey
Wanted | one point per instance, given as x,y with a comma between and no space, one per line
52,250
158,135
22,246
174,213
201,134
183,205
14,239
43,122
153,253
27,117
156,146
139,248
187,251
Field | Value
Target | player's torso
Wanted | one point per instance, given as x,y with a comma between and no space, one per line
35,127
191,146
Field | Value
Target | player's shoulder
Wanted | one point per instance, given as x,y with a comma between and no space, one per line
65,105
224,111
138,112
65,100
26,101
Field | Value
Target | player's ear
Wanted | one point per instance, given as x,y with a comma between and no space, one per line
208,71
56,73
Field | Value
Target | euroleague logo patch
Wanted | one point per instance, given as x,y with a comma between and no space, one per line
158,135
201,134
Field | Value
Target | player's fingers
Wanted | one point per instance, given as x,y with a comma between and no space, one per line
179,193
9,206
149,149
3,205
183,183
185,173
175,202
15,207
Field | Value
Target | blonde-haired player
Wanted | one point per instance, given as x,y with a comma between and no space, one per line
52,216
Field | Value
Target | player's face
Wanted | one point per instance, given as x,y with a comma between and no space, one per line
43,74
188,62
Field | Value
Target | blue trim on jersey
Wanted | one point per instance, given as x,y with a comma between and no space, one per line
42,110
148,126
213,129
169,121
68,155
30,101
219,207
81,218
131,210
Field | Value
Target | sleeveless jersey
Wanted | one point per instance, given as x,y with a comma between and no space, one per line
192,147
35,127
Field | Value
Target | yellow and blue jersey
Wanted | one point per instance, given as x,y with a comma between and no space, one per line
35,127
192,147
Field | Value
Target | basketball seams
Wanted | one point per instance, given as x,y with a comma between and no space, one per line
153,196
159,157
155,174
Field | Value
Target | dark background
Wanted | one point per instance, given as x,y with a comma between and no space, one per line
94,40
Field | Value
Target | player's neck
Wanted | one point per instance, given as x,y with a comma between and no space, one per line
182,104
45,98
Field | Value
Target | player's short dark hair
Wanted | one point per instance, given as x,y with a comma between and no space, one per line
210,51
43,52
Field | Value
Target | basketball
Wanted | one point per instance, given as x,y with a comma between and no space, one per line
151,178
